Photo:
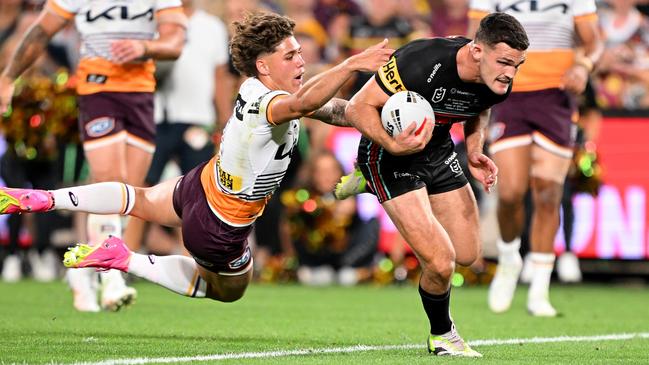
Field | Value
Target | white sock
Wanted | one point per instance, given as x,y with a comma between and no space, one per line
508,251
543,263
101,198
175,272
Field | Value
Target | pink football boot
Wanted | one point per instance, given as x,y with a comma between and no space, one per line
24,201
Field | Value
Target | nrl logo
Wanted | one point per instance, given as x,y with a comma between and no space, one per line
438,95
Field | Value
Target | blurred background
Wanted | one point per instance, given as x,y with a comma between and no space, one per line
306,235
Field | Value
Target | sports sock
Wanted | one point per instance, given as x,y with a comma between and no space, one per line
543,263
508,251
175,272
436,307
100,198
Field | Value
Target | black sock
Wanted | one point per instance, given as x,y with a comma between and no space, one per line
437,310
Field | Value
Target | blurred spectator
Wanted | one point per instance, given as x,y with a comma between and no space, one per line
335,17
449,18
330,239
43,116
380,19
624,67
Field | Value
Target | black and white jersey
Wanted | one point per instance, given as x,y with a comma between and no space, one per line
429,67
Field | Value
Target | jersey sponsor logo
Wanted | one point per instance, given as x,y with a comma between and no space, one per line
432,74
460,92
531,6
228,181
438,95
389,75
119,12
73,199
96,79
241,261
100,126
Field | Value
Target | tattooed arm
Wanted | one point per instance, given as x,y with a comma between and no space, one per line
30,47
332,113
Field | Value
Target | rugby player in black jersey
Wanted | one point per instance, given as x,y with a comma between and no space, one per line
417,177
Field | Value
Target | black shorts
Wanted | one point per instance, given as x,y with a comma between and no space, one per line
215,245
436,168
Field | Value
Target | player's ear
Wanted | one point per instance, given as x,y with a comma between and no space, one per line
262,67
476,50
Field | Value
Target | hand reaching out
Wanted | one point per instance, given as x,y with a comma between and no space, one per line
484,170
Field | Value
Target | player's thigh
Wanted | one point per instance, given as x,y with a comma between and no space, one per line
411,213
457,212
225,288
107,158
549,165
513,171
137,165
155,204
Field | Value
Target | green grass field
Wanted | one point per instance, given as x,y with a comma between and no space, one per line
291,324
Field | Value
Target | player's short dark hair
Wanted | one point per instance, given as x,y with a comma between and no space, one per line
256,34
500,27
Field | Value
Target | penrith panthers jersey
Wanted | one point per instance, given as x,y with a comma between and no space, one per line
429,67
100,22
253,157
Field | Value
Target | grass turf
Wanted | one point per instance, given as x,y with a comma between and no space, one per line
38,325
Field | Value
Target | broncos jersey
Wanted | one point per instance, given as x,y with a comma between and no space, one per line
101,22
550,26
253,157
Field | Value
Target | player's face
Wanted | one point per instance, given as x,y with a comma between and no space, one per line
285,66
498,66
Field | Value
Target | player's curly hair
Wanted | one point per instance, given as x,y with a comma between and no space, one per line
258,33
500,27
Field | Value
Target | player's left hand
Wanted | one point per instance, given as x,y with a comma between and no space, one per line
483,169
127,50
575,79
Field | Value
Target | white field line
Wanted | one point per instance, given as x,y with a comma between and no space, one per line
357,348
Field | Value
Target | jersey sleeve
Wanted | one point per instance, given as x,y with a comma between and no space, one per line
64,8
402,72
264,104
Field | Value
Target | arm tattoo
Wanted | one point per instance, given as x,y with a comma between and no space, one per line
27,51
332,113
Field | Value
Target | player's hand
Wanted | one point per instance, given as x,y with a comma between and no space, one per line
127,50
6,93
372,58
575,79
410,140
484,170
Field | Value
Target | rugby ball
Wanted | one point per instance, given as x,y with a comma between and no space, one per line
404,108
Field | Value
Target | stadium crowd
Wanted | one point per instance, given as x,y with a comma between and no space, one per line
305,234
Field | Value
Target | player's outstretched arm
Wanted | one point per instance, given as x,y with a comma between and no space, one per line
363,113
30,47
322,87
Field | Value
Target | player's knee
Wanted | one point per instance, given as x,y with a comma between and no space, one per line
439,271
511,197
467,257
547,194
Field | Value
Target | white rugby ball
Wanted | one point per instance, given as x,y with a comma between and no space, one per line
404,108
